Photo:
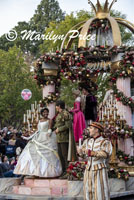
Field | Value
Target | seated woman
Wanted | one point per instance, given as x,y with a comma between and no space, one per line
40,157
79,123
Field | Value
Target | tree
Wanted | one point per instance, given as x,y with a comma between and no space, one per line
66,90
47,11
61,28
126,35
15,77
25,45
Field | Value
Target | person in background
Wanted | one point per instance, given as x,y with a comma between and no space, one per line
2,145
20,142
10,148
5,164
90,110
79,123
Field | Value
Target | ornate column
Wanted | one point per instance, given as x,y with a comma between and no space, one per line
46,91
50,70
123,84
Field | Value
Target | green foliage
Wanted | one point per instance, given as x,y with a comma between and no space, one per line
14,77
62,28
126,34
103,86
47,11
66,91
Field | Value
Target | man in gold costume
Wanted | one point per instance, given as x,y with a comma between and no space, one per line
98,150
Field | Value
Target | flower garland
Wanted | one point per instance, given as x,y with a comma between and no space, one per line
127,101
119,129
126,70
76,170
51,98
129,160
85,63
102,24
43,79
118,173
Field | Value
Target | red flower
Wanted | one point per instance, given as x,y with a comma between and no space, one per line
82,56
132,63
74,174
114,79
35,77
83,62
118,99
78,64
77,164
57,51
71,167
125,157
62,70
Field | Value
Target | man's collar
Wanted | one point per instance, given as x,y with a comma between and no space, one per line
97,137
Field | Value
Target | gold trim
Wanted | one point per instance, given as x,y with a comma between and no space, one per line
115,65
114,26
102,15
50,72
63,42
115,31
102,184
95,185
84,31
126,23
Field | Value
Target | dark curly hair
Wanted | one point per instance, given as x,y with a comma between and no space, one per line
61,104
43,109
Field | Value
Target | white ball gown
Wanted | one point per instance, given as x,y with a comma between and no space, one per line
40,157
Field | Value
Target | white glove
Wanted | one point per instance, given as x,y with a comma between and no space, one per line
49,132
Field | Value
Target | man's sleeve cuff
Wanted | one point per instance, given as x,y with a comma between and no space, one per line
89,152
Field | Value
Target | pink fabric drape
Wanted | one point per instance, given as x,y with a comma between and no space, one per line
78,121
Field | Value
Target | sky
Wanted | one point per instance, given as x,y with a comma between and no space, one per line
14,11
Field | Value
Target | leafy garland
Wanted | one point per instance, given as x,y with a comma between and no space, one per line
103,24
85,64
127,101
129,160
126,70
51,98
75,171
119,129
118,173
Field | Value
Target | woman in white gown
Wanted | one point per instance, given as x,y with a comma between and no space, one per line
40,157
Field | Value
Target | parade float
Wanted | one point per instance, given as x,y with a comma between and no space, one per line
99,51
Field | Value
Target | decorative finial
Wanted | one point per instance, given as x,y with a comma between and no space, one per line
112,4
99,9
106,6
90,2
